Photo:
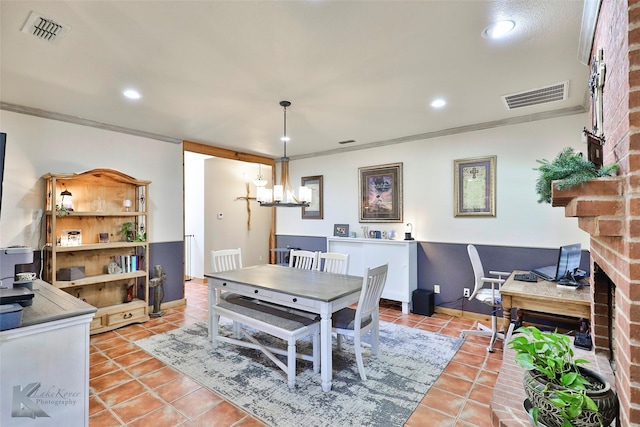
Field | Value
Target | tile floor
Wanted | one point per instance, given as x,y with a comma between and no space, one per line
131,388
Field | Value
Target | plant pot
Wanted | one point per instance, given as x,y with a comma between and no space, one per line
549,414
528,407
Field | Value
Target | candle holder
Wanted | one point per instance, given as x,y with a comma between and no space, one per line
127,205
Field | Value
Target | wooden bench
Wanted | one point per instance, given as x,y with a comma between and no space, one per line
272,320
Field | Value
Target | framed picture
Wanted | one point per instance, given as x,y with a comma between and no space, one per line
315,209
341,230
380,191
594,146
475,186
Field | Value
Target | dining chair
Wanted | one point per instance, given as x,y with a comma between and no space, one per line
223,260
364,318
305,260
226,259
333,262
489,296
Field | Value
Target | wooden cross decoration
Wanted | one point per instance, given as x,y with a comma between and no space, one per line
247,198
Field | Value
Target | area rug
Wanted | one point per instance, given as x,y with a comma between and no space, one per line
408,363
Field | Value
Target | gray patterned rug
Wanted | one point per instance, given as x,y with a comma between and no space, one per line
409,362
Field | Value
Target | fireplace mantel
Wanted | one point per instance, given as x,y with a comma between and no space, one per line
598,204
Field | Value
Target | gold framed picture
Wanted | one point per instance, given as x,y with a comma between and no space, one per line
380,190
474,186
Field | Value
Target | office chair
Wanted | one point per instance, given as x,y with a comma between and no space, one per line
489,296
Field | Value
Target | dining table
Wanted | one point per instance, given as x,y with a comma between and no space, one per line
310,291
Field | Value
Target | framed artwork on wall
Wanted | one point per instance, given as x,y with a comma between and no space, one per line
380,192
315,209
475,186
594,147
341,230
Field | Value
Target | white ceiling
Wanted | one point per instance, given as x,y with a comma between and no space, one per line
214,72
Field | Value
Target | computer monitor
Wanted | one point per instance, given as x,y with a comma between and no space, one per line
569,257
568,261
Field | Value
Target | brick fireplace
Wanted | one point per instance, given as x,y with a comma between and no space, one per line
609,209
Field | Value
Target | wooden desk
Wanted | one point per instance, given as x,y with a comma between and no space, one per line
308,290
544,297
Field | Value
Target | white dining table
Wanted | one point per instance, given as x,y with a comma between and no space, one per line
308,290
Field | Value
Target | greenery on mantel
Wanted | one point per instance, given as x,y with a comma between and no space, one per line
570,169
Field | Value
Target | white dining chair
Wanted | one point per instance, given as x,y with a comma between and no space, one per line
364,318
223,260
333,262
226,259
305,260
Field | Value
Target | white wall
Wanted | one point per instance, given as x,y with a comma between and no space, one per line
36,146
225,181
428,187
196,264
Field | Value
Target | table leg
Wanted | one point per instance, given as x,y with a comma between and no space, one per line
506,313
326,364
405,308
210,302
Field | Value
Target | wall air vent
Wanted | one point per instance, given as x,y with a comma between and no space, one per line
45,28
543,95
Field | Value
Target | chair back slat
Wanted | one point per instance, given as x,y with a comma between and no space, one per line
305,260
333,262
226,259
372,287
478,270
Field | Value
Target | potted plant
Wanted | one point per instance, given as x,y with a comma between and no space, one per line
569,169
128,232
561,392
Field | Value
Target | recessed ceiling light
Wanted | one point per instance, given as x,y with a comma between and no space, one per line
438,103
498,29
132,94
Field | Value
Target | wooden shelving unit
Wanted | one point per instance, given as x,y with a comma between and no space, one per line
121,296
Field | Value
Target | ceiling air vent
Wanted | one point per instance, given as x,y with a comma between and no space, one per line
556,92
44,28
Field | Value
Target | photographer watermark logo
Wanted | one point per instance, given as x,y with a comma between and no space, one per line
28,401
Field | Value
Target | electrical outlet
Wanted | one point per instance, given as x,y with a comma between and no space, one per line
467,292
436,289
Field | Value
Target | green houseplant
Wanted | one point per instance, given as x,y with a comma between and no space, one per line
570,169
129,234
562,393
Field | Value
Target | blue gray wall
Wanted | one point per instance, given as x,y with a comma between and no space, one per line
448,265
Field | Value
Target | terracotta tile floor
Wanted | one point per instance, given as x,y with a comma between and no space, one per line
131,388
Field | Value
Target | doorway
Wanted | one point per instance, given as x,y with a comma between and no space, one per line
220,207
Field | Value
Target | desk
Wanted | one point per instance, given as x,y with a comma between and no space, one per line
44,363
544,297
313,291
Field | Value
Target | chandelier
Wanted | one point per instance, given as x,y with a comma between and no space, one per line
282,195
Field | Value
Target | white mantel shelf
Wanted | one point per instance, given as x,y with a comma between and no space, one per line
402,278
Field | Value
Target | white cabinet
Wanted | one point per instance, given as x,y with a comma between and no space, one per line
402,278
44,364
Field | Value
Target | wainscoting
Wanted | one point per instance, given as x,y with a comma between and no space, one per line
448,265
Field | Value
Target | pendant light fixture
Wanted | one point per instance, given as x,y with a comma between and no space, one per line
259,181
282,195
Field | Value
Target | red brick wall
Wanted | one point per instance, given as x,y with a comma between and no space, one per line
618,34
